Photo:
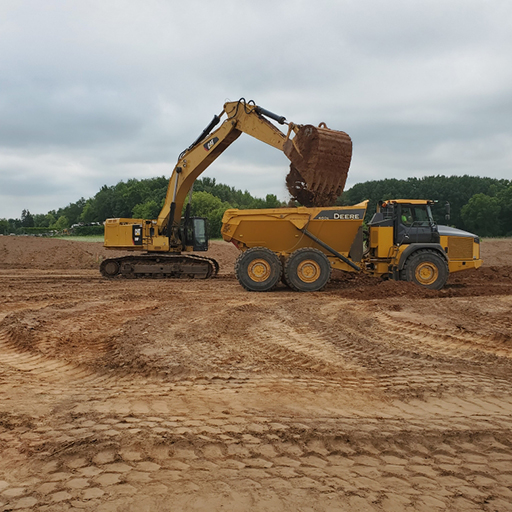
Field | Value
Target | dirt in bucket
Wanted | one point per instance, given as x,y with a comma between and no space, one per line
320,160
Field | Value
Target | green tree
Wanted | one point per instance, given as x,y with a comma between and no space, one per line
27,220
505,221
271,201
50,219
148,210
4,227
481,215
207,205
72,211
40,220
61,223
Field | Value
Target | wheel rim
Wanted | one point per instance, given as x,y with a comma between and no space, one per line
426,273
308,271
259,270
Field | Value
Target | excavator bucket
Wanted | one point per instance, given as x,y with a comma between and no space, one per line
320,159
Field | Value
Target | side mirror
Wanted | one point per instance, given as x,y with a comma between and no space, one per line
447,210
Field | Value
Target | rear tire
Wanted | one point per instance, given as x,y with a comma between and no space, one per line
258,269
426,268
307,270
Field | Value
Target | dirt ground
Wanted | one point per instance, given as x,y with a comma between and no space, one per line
160,395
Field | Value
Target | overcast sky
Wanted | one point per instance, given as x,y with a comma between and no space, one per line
97,91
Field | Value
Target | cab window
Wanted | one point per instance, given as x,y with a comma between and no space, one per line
415,216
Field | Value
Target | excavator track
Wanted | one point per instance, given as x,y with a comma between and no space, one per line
158,266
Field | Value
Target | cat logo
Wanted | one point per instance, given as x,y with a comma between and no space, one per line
209,145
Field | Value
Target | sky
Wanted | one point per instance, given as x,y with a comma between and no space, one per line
93,92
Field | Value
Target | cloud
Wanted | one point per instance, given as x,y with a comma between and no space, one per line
95,92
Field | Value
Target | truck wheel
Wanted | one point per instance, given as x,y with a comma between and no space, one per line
258,269
426,268
307,270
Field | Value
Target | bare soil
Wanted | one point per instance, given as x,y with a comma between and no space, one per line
160,395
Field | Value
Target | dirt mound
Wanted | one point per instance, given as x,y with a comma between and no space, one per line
496,251
485,281
47,253
25,252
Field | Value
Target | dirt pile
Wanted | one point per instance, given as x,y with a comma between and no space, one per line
27,252
47,253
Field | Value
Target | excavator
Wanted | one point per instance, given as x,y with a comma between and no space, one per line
320,159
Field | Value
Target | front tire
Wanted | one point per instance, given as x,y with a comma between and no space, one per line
258,269
307,270
426,268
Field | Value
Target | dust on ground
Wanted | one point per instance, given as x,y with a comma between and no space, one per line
139,395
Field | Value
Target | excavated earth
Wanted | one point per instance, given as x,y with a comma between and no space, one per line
160,395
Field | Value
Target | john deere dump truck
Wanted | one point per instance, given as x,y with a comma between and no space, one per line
300,246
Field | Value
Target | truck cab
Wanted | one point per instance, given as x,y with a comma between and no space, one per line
405,243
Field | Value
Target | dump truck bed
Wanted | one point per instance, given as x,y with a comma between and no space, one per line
282,230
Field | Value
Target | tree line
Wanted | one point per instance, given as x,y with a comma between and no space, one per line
480,205
140,199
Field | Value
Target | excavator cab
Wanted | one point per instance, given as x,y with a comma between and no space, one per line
194,233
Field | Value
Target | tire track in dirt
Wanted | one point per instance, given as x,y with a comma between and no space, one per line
301,348
400,368
170,457
304,350
37,364
465,344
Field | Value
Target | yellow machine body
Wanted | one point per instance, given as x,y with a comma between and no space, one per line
134,235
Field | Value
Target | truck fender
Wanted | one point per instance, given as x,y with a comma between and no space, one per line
412,248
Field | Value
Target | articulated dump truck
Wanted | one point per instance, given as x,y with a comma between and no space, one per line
300,246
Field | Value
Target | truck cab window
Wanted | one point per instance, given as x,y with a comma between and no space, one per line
415,225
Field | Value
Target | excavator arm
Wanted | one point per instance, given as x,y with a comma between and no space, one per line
241,117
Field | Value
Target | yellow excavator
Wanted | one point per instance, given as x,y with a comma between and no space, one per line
320,159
